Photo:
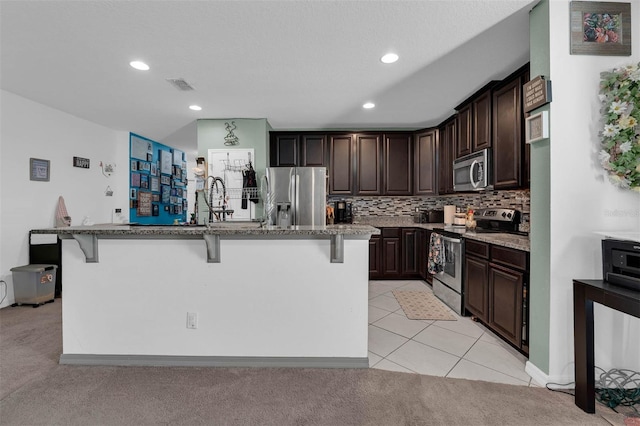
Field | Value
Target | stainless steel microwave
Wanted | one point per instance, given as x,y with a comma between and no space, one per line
473,172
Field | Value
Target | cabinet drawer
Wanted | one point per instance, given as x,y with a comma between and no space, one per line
391,232
477,248
509,257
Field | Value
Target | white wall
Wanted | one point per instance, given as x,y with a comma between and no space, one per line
34,130
582,201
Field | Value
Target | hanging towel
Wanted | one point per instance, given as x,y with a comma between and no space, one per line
62,217
436,259
249,186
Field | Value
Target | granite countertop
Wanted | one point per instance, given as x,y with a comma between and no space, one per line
224,228
518,242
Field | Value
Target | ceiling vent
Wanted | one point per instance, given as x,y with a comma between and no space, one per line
180,84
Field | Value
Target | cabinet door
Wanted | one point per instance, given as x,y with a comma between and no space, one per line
375,253
425,162
398,164
505,301
313,150
446,155
410,253
425,238
481,122
341,164
526,164
368,164
391,253
283,150
476,289
507,135
464,124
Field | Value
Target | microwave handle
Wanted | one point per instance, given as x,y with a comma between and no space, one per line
473,183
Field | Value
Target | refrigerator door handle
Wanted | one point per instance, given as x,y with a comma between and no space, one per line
292,196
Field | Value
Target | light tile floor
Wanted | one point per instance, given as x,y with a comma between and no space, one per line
461,349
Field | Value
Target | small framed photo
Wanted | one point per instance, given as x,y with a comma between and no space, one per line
154,169
134,165
135,179
537,127
144,181
134,194
600,28
155,184
155,198
39,169
165,180
155,210
149,156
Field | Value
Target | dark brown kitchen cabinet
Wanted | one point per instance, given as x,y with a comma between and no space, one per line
495,286
398,164
505,298
423,257
283,150
411,243
508,133
391,253
341,164
375,257
313,150
368,164
398,253
481,121
446,155
464,128
424,157
476,279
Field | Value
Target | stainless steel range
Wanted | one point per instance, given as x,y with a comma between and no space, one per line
447,285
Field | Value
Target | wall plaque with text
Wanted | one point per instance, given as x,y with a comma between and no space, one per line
83,163
537,92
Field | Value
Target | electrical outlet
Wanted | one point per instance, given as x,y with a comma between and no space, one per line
192,320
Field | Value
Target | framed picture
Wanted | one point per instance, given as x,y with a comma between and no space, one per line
537,127
600,28
155,184
155,198
155,210
144,203
144,181
149,156
39,169
166,194
165,180
143,166
134,194
135,179
154,169
134,165
165,162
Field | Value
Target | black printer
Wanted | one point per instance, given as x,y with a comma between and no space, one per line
621,263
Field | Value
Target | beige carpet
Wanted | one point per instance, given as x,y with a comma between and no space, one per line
422,305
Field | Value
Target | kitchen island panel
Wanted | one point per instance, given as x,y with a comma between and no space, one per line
277,298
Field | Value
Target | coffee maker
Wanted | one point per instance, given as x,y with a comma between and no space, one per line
343,212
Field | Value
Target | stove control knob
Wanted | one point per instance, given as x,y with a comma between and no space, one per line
504,214
509,215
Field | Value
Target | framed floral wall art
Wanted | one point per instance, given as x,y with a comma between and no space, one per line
600,28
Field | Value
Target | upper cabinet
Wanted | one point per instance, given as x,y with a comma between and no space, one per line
368,164
446,154
473,122
287,149
463,124
398,164
508,135
424,161
341,164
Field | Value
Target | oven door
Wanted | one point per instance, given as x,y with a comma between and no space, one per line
452,271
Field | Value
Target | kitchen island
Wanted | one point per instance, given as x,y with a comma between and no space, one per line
225,295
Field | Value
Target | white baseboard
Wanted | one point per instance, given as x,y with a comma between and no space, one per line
543,379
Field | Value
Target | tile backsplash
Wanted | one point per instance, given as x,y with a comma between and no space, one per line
406,206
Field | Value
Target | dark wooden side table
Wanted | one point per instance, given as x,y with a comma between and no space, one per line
585,292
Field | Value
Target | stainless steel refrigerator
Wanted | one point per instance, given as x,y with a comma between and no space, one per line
296,196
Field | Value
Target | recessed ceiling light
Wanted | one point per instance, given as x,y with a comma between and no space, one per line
195,107
368,105
139,65
389,58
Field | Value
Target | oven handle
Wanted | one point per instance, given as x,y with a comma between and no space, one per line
451,240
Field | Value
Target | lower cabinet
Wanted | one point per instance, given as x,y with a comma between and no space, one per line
495,286
397,253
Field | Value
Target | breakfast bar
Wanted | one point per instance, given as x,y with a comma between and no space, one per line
221,295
